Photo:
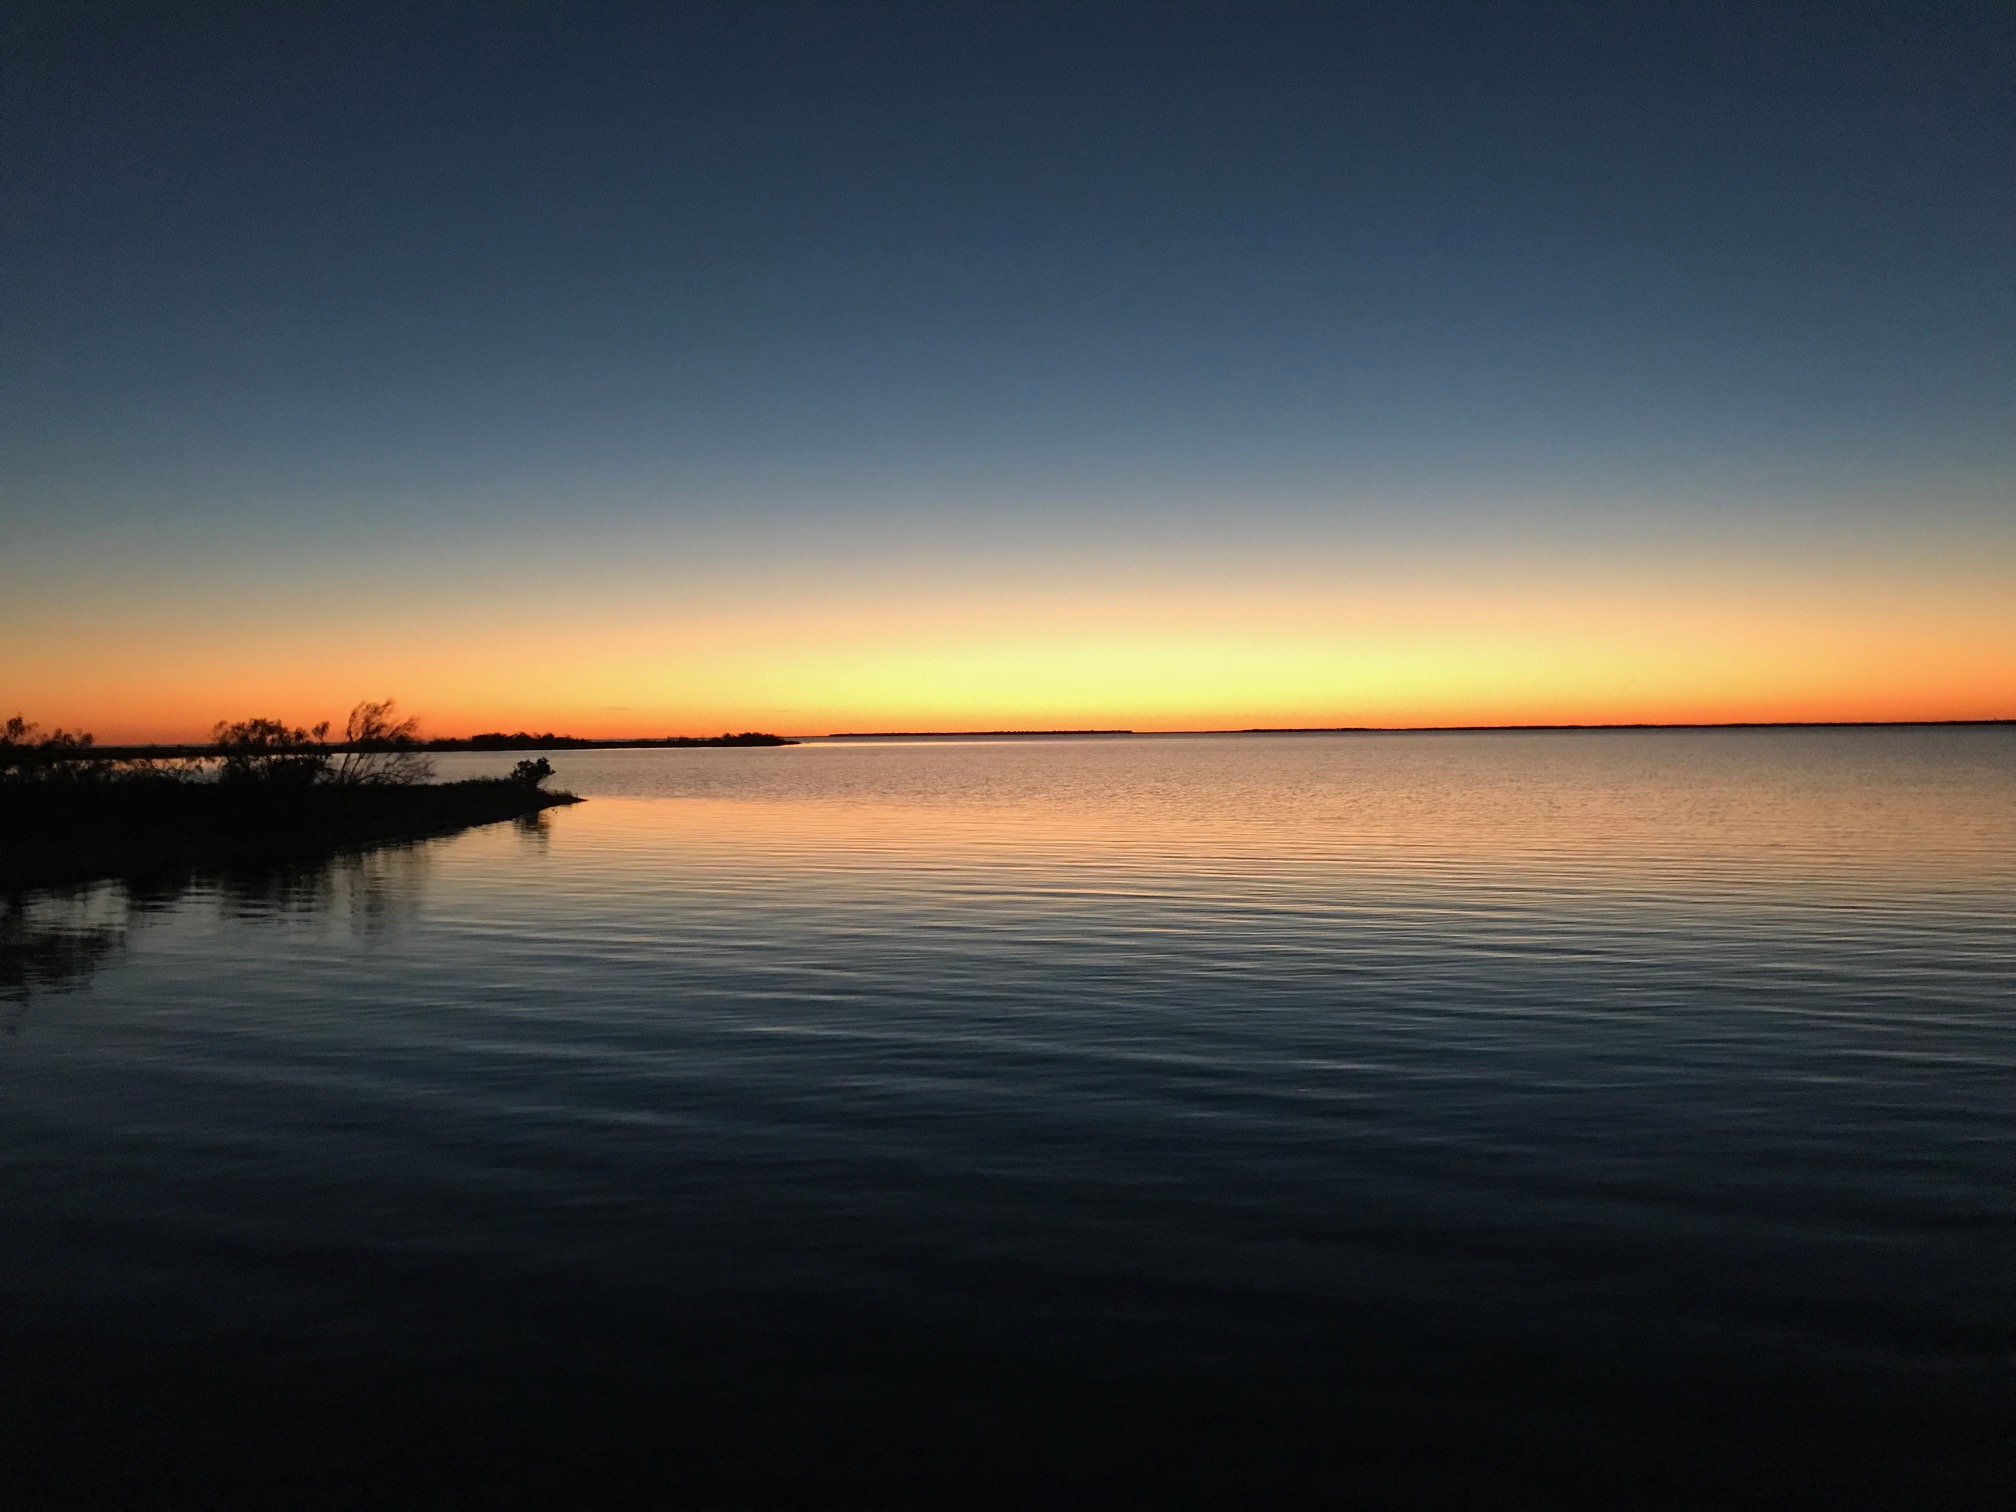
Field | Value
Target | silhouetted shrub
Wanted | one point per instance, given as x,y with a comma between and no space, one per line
532,773
59,756
270,751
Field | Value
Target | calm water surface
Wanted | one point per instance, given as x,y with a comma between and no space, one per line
1230,1121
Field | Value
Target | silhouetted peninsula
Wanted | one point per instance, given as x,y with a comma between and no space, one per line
261,791
58,834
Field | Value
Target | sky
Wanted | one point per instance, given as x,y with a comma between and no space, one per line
668,369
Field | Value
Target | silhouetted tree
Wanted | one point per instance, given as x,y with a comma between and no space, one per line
270,751
381,749
15,747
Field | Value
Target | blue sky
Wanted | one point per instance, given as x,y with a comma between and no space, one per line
295,290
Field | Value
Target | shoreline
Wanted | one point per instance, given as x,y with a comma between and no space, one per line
61,835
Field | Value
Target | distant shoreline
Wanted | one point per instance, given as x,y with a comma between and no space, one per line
482,743
486,745
1752,724
965,734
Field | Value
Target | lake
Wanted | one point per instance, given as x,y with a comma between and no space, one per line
1412,1119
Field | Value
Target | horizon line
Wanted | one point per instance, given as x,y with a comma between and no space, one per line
1462,729
117,748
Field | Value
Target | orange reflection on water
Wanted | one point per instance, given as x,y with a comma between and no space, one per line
1624,810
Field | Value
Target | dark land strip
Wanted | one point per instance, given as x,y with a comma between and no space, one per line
55,834
494,742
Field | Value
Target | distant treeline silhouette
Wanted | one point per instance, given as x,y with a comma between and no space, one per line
524,740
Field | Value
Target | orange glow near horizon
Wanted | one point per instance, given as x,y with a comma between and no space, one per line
1202,653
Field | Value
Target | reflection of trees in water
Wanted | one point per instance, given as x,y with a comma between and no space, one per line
53,944
373,890
534,830
55,940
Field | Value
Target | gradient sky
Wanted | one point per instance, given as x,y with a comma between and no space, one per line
648,369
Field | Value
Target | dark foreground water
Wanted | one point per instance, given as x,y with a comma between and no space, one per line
1606,1119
